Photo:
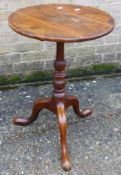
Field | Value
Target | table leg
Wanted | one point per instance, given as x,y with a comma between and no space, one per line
63,131
74,102
37,107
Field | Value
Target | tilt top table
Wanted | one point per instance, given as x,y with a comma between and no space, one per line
60,23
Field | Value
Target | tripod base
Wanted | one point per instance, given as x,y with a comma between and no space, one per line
59,108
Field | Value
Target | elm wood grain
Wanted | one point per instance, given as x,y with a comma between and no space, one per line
61,22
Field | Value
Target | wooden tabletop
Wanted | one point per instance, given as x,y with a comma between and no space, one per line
61,22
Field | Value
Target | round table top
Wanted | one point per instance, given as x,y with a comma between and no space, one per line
61,22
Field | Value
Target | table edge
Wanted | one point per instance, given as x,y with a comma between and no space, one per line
65,40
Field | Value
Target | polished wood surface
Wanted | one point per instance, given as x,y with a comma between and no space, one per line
58,104
61,22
